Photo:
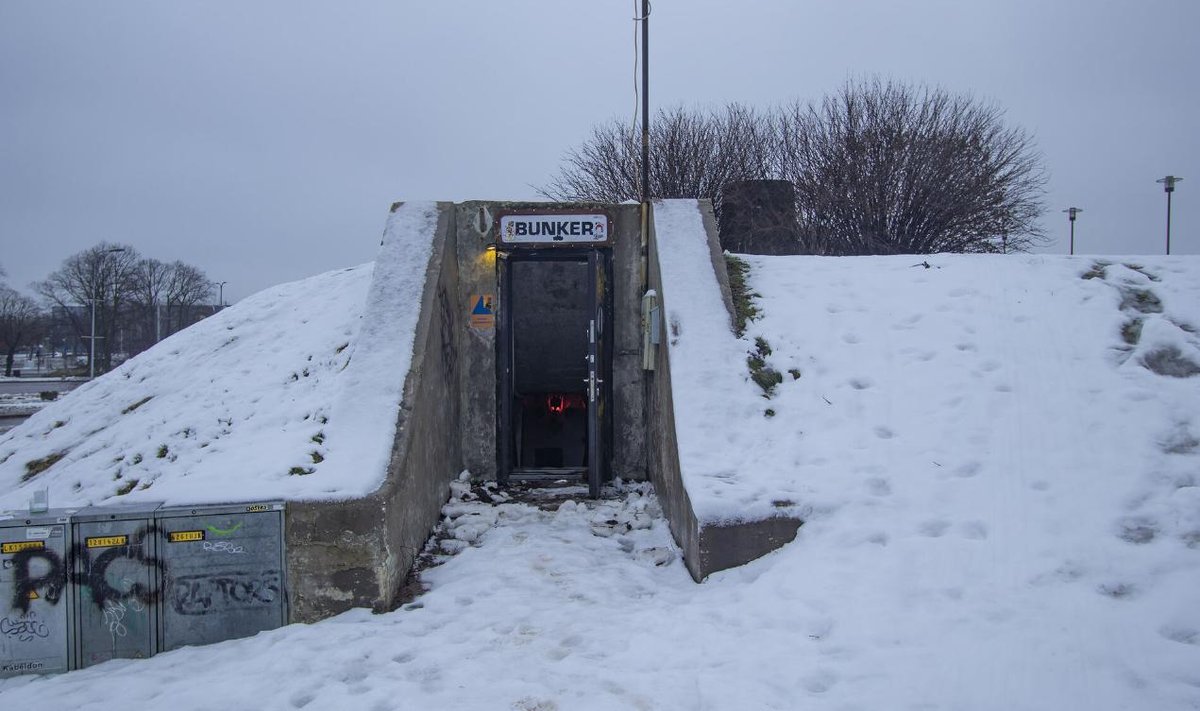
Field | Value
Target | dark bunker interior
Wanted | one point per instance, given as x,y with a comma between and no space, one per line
550,313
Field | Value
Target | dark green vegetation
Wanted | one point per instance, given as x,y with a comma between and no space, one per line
37,466
744,309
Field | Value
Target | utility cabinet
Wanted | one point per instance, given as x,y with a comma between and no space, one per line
36,634
117,587
223,572
81,587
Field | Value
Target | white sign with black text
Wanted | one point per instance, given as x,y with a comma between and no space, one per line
553,229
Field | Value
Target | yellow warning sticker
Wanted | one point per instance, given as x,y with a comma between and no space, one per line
483,311
185,536
256,508
33,595
107,541
18,546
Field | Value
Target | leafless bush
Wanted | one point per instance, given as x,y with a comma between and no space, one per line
879,167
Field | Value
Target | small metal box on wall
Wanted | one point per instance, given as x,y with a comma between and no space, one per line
36,635
117,582
223,572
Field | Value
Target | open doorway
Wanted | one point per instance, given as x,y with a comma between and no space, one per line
554,365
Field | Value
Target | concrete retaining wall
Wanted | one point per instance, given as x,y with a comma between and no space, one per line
356,553
707,547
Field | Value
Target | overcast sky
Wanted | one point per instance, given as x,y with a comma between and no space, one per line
263,141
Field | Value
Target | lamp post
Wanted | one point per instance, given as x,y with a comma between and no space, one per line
221,298
1071,213
92,353
1169,187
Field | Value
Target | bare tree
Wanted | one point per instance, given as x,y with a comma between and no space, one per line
165,297
19,319
879,167
888,168
187,289
693,154
99,277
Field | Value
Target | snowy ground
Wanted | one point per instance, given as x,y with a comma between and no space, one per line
587,607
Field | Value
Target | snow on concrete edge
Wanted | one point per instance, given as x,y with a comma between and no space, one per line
363,417
709,381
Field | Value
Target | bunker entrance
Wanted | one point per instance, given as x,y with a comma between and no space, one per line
553,366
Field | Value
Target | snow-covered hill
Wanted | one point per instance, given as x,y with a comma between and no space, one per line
291,393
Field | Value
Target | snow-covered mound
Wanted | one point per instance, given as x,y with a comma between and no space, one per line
292,393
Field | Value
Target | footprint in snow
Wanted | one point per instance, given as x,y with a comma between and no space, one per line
1181,634
968,470
974,530
819,681
879,486
935,528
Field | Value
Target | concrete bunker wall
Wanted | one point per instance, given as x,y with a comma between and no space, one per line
356,553
707,547
477,258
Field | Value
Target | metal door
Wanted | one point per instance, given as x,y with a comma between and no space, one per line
117,573
223,572
35,629
596,387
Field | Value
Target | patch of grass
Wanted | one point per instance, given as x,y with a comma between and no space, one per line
127,487
137,458
764,375
58,423
1096,272
319,438
48,395
767,378
162,451
761,347
317,457
769,412
1141,300
794,372
744,309
301,471
137,404
1131,331
36,466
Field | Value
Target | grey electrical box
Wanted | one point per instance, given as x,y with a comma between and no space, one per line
117,589
223,572
36,635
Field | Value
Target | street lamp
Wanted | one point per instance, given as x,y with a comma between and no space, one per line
1169,187
92,354
1071,213
221,298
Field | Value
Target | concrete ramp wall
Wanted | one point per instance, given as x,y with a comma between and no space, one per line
357,552
709,542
